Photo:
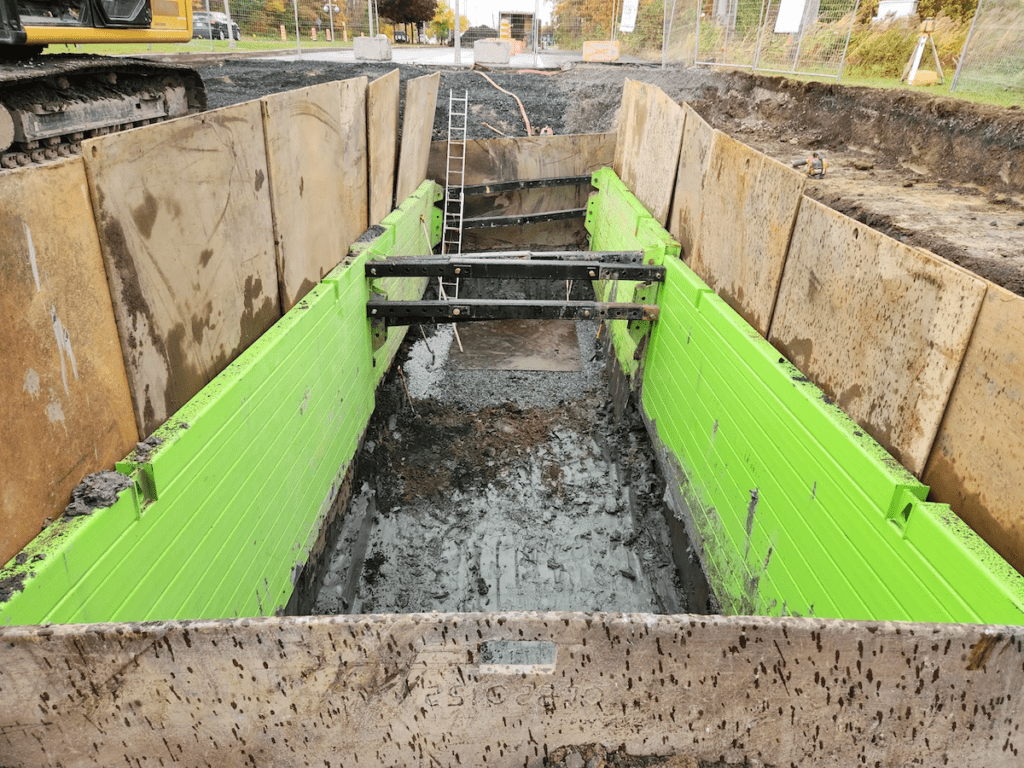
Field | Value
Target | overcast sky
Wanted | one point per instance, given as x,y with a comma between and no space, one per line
486,11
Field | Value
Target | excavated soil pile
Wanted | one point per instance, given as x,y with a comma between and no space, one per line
937,173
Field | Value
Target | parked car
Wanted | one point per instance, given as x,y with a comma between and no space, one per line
210,24
400,36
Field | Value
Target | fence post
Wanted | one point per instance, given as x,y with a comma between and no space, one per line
231,33
298,37
696,36
846,45
762,19
967,43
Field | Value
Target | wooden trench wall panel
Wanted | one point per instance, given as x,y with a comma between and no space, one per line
65,408
790,506
221,515
490,161
924,356
412,690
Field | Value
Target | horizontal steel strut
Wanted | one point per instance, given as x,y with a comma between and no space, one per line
510,186
465,310
535,269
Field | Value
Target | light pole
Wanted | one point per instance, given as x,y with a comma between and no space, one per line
330,9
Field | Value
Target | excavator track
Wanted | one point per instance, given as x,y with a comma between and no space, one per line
48,104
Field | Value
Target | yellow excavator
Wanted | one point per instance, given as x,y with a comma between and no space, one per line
49,103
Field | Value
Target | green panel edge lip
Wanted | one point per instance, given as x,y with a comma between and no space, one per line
858,450
41,563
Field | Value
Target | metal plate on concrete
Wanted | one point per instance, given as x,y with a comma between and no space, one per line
975,465
184,220
517,345
65,410
881,327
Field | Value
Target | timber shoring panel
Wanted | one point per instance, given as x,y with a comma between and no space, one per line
490,161
316,154
881,327
417,129
975,464
688,196
650,146
184,220
382,143
413,689
223,513
65,409
749,205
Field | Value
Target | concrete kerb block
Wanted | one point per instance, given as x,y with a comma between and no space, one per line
492,51
372,48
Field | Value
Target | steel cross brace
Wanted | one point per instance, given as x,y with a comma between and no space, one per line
536,269
389,313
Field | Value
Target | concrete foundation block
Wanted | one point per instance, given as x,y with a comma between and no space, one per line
372,48
491,51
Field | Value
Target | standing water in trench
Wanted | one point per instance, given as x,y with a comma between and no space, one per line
502,490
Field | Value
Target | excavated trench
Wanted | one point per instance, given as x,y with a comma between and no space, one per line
482,489
503,476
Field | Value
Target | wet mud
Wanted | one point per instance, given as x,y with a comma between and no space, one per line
486,490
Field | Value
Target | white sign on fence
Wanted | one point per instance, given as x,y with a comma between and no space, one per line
629,8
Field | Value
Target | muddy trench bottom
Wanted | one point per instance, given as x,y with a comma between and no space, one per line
502,490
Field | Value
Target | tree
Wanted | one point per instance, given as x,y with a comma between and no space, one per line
444,21
407,11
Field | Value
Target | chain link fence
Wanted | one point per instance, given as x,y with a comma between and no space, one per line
787,36
993,56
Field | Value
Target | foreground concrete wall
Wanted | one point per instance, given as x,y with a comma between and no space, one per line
414,690
892,333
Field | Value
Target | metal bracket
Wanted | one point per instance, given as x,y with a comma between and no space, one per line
534,269
389,313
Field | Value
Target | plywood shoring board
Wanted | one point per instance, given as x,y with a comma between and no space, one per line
316,155
65,411
879,326
650,145
183,214
749,204
382,143
688,196
417,129
975,465
381,690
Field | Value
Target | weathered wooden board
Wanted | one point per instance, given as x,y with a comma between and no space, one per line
509,689
183,213
976,463
688,196
65,411
879,326
316,155
417,130
535,157
749,205
382,143
650,146
626,127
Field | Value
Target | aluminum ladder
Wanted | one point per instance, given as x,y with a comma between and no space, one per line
454,196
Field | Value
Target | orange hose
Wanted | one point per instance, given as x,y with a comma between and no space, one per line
529,129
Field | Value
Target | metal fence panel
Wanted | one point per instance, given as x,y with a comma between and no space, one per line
993,56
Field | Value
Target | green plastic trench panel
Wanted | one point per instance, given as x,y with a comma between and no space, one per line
223,513
792,508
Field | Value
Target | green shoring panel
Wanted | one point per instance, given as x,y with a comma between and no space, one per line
223,513
791,507
618,221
